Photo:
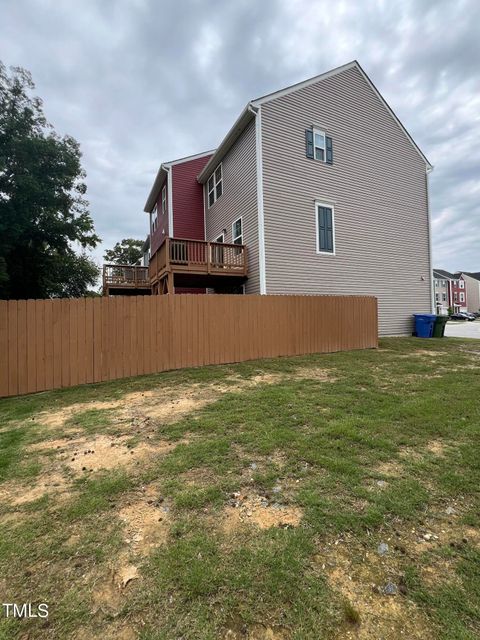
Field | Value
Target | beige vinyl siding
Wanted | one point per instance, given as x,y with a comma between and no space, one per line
239,198
377,184
472,288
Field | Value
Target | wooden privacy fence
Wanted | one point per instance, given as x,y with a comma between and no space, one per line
48,344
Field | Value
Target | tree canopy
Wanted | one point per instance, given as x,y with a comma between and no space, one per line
127,251
45,225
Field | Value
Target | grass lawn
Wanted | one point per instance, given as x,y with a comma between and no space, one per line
326,496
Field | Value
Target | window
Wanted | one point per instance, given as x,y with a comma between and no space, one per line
437,297
436,283
237,232
444,282
461,284
164,199
221,238
154,218
319,145
325,228
455,297
444,297
462,296
215,185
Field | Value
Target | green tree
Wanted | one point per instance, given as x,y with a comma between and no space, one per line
128,251
44,215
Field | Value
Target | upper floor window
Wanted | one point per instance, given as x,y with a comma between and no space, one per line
237,232
164,199
325,228
437,297
462,296
444,297
215,185
436,283
318,145
154,218
461,284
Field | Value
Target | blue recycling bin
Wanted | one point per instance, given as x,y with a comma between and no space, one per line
424,323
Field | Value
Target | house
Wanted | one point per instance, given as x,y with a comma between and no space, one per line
451,285
316,189
472,289
441,286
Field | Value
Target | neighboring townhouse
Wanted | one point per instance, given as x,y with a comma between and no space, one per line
472,289
458,299
456,291
441,287
316,189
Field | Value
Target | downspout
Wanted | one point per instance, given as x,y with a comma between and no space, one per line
257,111
430,266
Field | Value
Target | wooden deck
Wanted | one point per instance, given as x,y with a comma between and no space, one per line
125,279
183,263
196,263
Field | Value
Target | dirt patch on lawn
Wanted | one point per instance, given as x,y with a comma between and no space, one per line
428,352
57,418
381,616
17,494
165,404
257,632
396,466
109,593
437,448
313,373
102,452
251,508
147,521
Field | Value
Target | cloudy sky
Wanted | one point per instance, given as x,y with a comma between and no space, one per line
138,82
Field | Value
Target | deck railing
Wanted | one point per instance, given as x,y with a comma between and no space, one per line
125,275
197,256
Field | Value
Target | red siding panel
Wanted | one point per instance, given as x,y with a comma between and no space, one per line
188,217
161,232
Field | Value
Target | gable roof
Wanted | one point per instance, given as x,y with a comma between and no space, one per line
444,275
475,275
162,174
252,107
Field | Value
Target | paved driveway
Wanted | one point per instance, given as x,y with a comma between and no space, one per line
459,329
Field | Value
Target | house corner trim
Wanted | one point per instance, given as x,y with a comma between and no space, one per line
170,202
261,220
432,288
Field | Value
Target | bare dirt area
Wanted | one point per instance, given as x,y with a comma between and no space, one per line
101,452
16,493
167,404
146,520
363,578
250,508
109,592
257,632
371,579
